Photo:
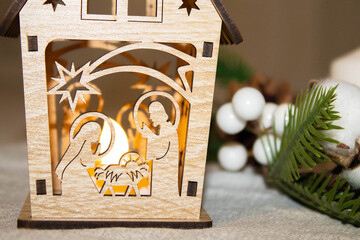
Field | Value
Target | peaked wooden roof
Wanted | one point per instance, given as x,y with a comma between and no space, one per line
230,34
9,26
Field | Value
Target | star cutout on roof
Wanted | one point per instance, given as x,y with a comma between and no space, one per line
189,4
72,85
54,3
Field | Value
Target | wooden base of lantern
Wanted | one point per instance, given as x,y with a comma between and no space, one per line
25,221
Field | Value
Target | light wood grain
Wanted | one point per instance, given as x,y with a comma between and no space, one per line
80,199
26,221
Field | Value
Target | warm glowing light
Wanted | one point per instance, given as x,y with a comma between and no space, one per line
121,144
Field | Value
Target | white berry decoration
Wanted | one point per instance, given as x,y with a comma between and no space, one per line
267,116
353,177
262,149
232,156
228,121
248,103
281,117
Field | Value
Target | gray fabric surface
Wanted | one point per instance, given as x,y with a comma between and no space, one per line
240,204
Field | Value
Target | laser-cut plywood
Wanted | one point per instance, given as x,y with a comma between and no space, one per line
118,107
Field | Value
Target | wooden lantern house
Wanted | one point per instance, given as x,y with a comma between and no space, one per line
118,104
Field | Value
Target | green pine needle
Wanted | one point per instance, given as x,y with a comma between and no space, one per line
308,121
231,67
318,192
312,115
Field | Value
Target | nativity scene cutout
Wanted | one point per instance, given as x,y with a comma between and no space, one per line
131,160
118,107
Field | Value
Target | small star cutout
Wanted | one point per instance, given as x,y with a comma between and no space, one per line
72,85
189,4
54,3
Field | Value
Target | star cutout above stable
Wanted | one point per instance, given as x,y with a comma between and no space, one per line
189,4
72,85
54,3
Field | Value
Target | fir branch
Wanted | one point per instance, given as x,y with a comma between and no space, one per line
321,193
232,67
313,113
